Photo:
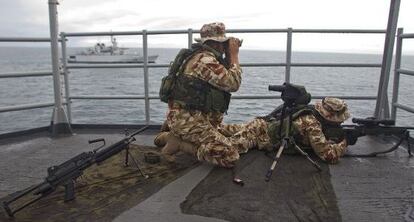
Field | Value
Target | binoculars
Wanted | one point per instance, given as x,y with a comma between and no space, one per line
240,42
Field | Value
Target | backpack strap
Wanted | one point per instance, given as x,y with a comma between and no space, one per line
197,47
217,54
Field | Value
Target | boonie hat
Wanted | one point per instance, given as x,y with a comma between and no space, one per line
333,109
215,31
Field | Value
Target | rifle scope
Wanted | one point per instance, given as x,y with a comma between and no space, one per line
278,88
369,121
292,94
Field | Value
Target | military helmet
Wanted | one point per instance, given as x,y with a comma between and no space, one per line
215,31
333,109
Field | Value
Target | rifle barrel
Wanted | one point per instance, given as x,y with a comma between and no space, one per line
117,147
385,122
139,130
111,150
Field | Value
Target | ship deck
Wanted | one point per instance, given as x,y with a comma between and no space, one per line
356,189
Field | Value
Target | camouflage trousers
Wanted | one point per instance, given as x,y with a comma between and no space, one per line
217,143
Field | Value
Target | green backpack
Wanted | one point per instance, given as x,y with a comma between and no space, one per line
168,82
331,131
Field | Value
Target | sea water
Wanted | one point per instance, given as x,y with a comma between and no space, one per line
319,81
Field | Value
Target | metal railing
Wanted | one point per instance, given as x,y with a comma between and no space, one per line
288,64
397,72
25,74
145,66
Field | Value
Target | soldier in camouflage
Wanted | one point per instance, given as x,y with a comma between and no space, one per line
197,131
335,112
309,129
203,134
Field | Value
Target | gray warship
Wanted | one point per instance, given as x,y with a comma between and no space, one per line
101,53
115,189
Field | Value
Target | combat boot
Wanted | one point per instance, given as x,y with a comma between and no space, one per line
161,139
171,146
188,148
174,145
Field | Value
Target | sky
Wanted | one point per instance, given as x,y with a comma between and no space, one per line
29,18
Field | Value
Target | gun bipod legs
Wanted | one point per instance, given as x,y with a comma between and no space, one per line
282,147
127,153
314,163
276,159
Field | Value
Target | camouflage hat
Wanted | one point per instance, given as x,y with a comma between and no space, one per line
333,109
215,31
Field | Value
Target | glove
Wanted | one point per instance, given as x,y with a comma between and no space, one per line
351,136
232,51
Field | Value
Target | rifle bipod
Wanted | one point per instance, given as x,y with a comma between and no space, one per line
282,147
126,163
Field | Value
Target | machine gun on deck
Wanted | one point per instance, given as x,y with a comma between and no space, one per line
371,126
66,173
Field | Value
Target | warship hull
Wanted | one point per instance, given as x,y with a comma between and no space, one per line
110,59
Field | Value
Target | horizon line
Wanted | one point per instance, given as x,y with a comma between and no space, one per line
410,53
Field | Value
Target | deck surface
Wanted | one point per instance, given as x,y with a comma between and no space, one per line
366,189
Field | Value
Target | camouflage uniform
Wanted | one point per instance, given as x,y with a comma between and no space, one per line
202,129
219,143
215,142
247,135
310,130
312,136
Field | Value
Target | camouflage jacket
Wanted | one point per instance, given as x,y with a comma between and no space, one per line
311,131
205,66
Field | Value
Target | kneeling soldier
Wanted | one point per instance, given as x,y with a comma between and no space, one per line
198,94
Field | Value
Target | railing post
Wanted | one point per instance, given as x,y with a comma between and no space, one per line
66,77
59,123
288,55
146,91
381,107
190,38
396,85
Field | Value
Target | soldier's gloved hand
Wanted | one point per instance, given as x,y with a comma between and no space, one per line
232,52
351,137
234,44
